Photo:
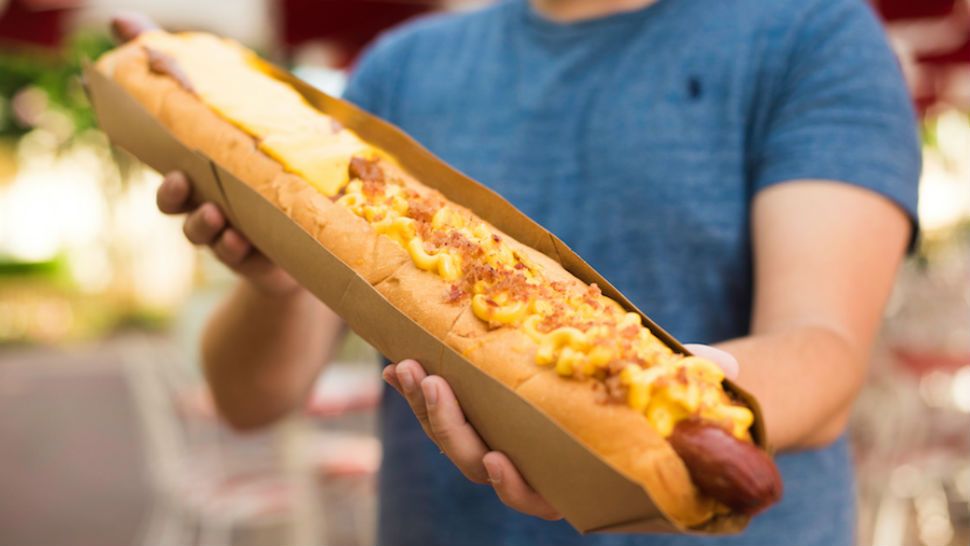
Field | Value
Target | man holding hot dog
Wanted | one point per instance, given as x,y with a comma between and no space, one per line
744,171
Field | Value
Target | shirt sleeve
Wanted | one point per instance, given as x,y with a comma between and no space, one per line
840,110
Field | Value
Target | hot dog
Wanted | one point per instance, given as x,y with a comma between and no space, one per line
662,417
734,472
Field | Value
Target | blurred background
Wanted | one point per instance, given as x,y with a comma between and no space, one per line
107,433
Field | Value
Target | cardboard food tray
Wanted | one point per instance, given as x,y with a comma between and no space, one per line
591,495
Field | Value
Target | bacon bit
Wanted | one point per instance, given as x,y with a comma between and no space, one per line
511,283
455,294
615,367
552,320
373,189
424,230
455,240
519,265
480,272
368,170
490,302
600,396
630,331
592,297
421,210
616,392
681,376
496,238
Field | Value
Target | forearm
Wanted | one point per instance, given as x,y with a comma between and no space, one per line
261,353
805,378
825,257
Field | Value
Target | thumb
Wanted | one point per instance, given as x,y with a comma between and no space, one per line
724,359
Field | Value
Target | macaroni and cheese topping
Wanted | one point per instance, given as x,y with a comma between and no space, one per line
579,332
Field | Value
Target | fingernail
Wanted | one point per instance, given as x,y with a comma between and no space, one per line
407,381
494,471
430,393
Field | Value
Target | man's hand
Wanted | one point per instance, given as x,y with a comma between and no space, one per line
269,339
435,406
206,225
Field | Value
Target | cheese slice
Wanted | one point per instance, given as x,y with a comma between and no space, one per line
321,159
303,139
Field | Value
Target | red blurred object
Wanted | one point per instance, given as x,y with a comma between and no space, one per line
41,5
922,362
347,25
961,55
934,37
893,10
35,22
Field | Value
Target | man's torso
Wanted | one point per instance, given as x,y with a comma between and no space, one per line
629,138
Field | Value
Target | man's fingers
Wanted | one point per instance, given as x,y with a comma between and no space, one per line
390,376
204,224
173,196
263,273
127,26
409,376
231,247
451,431
513,490
207,225
724,359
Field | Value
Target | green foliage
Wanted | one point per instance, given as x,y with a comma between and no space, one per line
56,74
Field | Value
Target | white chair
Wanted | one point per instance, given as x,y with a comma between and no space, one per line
210,484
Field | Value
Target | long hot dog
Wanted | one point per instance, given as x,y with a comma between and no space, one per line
660,416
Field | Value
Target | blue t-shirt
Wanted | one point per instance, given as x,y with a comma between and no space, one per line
641,139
